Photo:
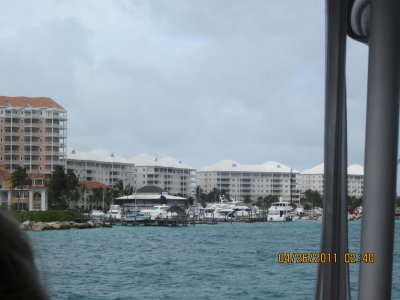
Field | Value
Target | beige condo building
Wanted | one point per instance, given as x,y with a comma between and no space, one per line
241,181
33,134
100,165
313,179
167,173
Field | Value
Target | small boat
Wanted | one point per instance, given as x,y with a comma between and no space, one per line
299,210
135,216
281,212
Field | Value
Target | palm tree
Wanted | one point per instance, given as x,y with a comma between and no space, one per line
19,179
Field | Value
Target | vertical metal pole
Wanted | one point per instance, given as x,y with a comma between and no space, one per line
333,278
377,233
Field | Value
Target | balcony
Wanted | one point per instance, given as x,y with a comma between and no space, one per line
56,134
57,126
13,142
32,133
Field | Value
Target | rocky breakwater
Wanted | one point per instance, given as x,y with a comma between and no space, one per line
314,215
40,226
317,213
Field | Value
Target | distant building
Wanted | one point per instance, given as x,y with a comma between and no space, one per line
86,190
100,165
313,179
167,173
241,181
142,170
32,197
33,134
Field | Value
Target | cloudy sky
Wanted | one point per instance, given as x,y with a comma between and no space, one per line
198,80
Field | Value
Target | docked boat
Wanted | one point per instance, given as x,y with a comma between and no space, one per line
158,211
97,214
115,212
281,212
218,212
135,216
299,210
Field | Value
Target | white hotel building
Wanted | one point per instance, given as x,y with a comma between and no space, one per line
313,179
103,166
240,180
100,165
167,173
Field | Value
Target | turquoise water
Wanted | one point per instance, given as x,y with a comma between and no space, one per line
225,261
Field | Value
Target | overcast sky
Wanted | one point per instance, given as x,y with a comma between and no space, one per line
201,81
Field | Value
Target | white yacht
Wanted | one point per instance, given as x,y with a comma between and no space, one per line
115,212
281,212
219,212
97,214
158,211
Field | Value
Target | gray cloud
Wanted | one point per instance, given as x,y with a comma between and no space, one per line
199,80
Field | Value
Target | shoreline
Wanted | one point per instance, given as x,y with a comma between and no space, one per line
62,225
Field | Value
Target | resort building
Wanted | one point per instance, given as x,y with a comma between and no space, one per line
103,166
88,197
32,197
313,179
100,165
33,134
242,181
167,173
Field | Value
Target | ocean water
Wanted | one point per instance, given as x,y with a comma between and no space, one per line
224,261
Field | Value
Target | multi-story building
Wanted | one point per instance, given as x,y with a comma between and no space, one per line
167,173
241,181
28,197
142,170
100,165
33,134
313,179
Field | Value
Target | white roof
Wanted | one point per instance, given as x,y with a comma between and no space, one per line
100,155
319,170
149,197
233,166
140,160
147,160
355,170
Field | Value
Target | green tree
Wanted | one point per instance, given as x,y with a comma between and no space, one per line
96,197
128,190
163,199
62,188
265,202
19,179
312,199
247,200
397,201
57,185
353,202
189,202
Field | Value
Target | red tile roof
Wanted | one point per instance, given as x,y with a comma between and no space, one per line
94,185
4,174
29,102
36,175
